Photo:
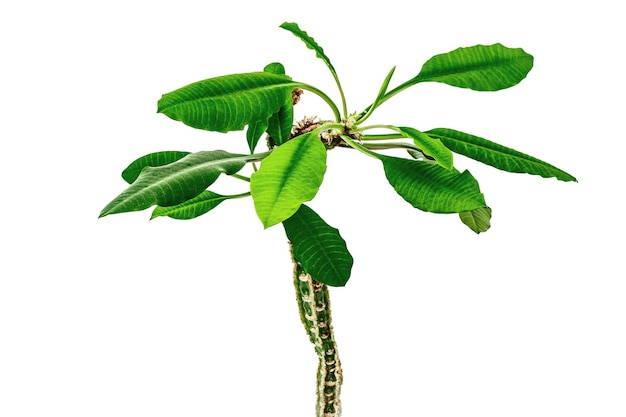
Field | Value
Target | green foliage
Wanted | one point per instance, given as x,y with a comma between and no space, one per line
497,156
480,67
197,206
318,247
292,169
432,188
430,146
229,102
289,176
175,183
477,219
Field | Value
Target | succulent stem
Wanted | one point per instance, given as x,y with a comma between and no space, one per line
314,306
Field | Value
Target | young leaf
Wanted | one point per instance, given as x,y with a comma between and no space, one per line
496,155
155,159
228,102
429,146
289,176
381,93
175,183
477,219
319,52
480,67
318,247
432,188
309,42
197,206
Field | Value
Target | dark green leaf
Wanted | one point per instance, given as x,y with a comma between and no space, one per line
477,219
480,67
228,102
432,188
197,206
497,156
175,183
318,247
289,176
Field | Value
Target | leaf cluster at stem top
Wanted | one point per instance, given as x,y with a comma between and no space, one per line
292,170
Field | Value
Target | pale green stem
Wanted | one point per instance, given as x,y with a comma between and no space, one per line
359,147
240,177
324,97
390,145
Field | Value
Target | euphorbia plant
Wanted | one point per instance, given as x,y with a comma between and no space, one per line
290,170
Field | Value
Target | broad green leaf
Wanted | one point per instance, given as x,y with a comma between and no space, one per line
318,247
197,206
480,67
309,42
477,219
432,188
155,159
228,102
432,147
175,183
289,176
496,155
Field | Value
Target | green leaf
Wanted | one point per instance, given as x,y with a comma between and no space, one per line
480,67
432,188
281,123
175,183
309,42
228,102
155,159
477,219
254,132
289,176
496,155
197,206
318,247
319,52
275,68
429,146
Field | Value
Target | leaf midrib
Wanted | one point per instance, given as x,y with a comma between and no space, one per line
470,68
233,93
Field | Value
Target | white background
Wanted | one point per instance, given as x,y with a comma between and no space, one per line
128,317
